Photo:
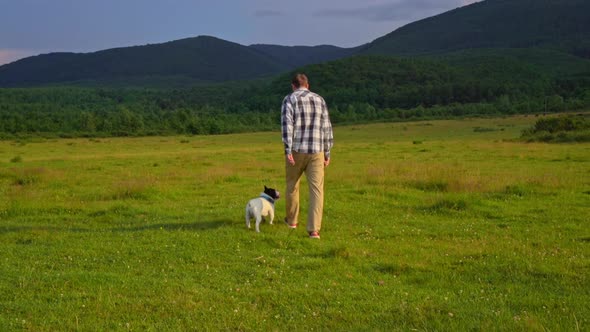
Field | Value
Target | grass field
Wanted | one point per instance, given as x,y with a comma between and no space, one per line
441,225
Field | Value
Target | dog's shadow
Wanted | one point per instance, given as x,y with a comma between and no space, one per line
194,226
41,228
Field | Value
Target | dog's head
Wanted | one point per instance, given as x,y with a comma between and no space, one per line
272,193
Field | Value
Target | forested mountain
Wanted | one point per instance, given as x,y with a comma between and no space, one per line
192,61
556,24
297,56
188,61
201,59
466,77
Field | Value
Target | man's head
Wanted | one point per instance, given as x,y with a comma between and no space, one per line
299,81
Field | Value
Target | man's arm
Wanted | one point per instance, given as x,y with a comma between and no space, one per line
287,127
328,135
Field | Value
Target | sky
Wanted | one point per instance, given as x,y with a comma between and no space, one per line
32,27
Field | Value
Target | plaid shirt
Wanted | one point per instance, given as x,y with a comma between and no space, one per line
305,123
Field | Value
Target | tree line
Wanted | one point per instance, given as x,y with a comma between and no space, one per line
358,89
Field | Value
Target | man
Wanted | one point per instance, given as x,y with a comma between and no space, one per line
308,138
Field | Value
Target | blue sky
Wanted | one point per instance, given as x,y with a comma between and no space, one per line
31,27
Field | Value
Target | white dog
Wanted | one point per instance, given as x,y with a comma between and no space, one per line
262,206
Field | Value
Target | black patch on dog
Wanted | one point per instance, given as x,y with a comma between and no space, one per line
271,192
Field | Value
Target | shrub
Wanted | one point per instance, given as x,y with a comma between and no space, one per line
560,129
563,123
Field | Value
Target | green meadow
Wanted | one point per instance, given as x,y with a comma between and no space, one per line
428,226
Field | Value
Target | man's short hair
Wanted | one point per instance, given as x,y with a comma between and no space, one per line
299,80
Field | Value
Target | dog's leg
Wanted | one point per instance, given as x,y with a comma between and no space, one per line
258,220
271,215
247,216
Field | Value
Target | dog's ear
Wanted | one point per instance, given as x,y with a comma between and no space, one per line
265,188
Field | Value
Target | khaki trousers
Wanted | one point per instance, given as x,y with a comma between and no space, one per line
313,167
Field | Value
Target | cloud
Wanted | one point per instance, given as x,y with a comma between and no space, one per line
268,13
400,10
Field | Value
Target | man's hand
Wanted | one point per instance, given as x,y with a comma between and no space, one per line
326,162
290,159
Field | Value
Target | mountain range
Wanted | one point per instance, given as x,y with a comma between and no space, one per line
558,25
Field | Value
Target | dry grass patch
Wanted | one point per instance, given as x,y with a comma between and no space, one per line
27,176
134,188
435,177
459,178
